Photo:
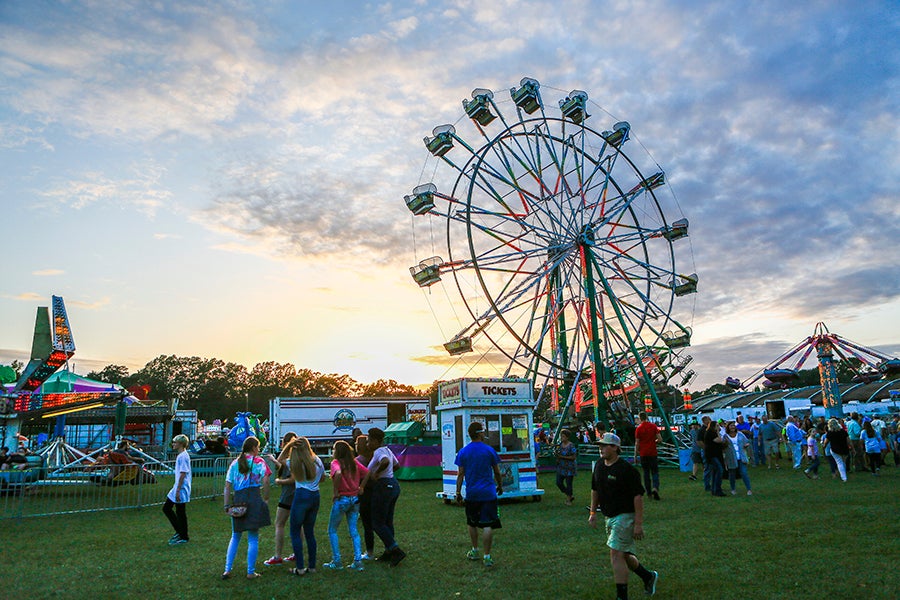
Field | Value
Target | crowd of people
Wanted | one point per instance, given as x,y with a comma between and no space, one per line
853,444
365,488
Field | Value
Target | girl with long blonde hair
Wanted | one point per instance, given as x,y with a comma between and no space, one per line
306,471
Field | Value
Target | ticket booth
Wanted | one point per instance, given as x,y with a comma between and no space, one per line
504,407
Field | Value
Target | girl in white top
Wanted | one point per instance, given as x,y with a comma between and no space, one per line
812,451
307,471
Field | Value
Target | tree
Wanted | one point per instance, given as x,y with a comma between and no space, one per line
716,388
270,379
111,374
312,384
387,387
209,385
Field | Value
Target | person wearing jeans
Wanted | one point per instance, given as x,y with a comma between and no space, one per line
795,439
737,450
713,446
812,451
247,484
306,471
348,477
566,455
385,492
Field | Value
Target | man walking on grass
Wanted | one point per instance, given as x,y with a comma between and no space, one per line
617,491
646,437
771,436
795,439
479,467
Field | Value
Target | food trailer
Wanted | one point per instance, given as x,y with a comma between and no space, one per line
504,407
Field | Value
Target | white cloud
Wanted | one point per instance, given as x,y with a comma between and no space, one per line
142,192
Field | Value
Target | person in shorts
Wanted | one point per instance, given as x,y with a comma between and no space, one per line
285,500
771,436
617,492
479,466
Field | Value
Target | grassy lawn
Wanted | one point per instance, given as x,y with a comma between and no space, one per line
794,538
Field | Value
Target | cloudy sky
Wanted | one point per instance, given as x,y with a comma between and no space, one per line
226,178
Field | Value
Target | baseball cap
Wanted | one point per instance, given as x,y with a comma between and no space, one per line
610,439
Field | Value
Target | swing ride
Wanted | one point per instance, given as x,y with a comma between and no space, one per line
868,365
561,247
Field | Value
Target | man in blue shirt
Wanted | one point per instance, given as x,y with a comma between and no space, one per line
479,467
857,450
795,438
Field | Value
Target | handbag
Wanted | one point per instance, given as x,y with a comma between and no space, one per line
237,510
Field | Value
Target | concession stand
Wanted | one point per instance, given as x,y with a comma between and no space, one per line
504,407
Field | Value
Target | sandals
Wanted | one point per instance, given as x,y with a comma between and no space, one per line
298,572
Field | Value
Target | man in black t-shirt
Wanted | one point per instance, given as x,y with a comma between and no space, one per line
616,489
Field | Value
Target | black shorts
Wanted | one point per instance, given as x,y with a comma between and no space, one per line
483,514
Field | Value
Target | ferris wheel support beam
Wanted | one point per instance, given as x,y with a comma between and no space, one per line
559,322
633,349
596,357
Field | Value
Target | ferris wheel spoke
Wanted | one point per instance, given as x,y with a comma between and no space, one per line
498,219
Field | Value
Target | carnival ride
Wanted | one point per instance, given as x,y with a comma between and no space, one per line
562,249
42,392
867,364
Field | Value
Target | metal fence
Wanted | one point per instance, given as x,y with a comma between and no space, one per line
37,492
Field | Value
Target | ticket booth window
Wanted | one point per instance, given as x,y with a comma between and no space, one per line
492,437
460,432
515,434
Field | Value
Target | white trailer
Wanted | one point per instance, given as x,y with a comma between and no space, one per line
325,420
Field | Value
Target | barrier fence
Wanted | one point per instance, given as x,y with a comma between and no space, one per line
39,491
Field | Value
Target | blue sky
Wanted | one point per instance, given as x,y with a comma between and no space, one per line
226,179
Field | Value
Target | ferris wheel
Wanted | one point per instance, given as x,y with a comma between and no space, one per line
560,245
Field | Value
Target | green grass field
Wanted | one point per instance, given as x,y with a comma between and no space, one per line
794,538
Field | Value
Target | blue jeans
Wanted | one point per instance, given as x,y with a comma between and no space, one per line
348,505
797,451
304,510
384,499
759,453
252,550
715,475
742,470
814,465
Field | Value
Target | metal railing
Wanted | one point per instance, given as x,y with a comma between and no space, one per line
38,491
